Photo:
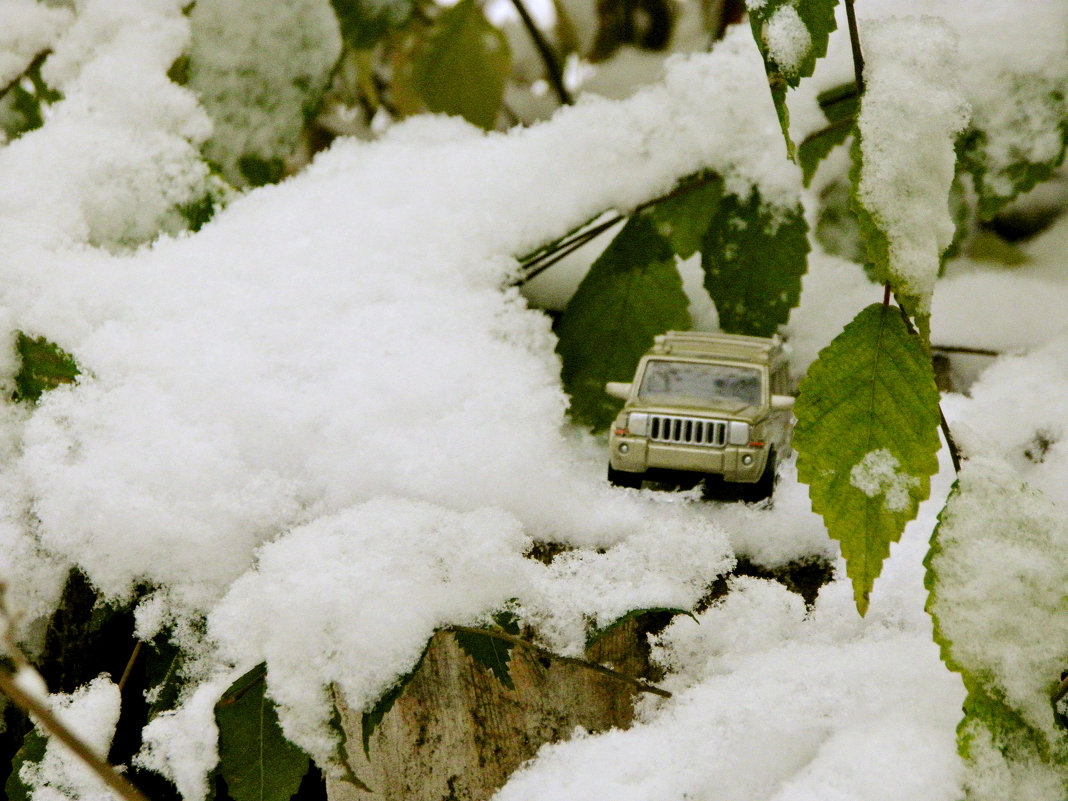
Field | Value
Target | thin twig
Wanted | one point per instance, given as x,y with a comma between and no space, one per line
44,716
854,41
965,349
551,255
623,677
129,666
552,68
954,451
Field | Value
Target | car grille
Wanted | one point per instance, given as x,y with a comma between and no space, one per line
687,430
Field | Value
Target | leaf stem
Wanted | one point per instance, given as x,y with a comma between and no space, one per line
129,666
552,69
854,41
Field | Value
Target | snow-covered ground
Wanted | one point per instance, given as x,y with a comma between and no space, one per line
321,425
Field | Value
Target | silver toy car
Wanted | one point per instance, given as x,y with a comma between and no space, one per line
708,404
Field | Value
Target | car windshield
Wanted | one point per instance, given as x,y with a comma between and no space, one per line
699,384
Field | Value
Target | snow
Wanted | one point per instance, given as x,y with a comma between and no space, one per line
319,429
29,28
911,111
787,39
877,474
90,713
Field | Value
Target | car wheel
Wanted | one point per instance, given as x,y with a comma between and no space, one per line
765,485
622,478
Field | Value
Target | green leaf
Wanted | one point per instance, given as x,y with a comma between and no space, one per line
683,217
489,651
256,760
867,438
786,60
995,575
597,634
462,66
163,662
364,22
632,293
815,147
373,715
43,366
1012,158
31,752
877,245
754,255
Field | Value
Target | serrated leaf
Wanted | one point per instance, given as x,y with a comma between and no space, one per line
631,293
754,256
815,147
779,27
43,365
31,752
1012,158
867,438
1002,627
364,22
683,217
461,66
256,760
489,651
597,634
373,715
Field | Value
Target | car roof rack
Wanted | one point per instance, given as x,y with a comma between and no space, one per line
728,346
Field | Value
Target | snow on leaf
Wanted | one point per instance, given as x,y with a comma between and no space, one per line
31,752
256,760
373,715
461,68
1008,155
996,573
753,255
871,390
791,36
632,293
902,173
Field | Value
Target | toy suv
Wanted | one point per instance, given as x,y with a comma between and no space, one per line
707,404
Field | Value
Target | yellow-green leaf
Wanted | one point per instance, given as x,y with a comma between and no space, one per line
462,65
867,438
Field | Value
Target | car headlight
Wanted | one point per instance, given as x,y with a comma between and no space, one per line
737,433
638,423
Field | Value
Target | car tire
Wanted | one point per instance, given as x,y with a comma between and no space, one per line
765,485
622,478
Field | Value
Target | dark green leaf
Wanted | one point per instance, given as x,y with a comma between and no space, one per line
753,256
632,293
839,103
163,662
508,622
815,147
44,366
364,22
773,24
256,760
867,438
488,650
374,714
31,752
596,634
1002,162
341,755
683,217
462,66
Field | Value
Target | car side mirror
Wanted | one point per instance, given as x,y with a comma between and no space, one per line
618,389
782,403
